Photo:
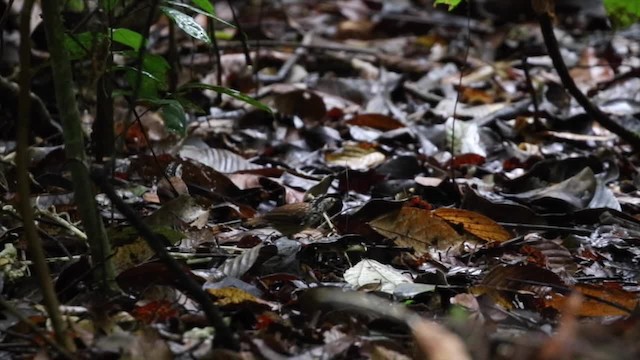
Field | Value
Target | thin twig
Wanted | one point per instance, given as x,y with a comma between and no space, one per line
531,89
7,306
190,286
550,41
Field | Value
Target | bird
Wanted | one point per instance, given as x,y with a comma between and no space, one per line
290,219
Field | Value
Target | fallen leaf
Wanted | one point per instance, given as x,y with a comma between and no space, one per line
231,296
598,300
417,229
504,282
356,157
371,272
474,223
376,121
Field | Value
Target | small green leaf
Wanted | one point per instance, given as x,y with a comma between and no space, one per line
187,24
149,84
174,116
154,73
451,3
109,5
157,66
231,92
623,13
128,37
76,6
205,5
79,45
223,35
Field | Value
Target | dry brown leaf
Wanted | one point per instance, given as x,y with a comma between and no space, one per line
360,156
376,121
303,103
599,300
231,296
477,96
355,29
503,283
474,223
417,229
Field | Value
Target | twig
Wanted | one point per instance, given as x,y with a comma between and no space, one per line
9,92
63,223
285,69
41,270
191,287
296,44
550,41
539,227
7,306
441,20
531,89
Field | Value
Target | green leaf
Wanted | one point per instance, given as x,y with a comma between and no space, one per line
205,5
149,84
205,13
109,5
158,67
222,35
80,45
451,3
175,119
76,6
187,24
154,73
231,92
128,37
623,13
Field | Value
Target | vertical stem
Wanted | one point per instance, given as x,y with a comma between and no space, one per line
104,274
36,251
531,89
173,59
103,136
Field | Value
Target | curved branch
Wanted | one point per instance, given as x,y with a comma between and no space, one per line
550,41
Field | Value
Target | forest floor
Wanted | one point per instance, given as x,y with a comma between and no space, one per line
392,181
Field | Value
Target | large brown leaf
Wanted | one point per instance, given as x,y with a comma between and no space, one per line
474,223
417,229
503,283
599,300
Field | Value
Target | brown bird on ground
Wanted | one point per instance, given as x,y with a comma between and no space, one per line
290,219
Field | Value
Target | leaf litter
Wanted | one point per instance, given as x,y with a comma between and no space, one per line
484,214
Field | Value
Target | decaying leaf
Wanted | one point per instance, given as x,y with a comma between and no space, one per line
474,223
598,300
356,157
237,266
371,272
221,160
231,296
376,121
503,283
417,229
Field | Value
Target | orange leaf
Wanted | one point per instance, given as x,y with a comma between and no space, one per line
467,159
477,96
376,121
503,283
417,229
474,223
155,311
231,296
599,300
